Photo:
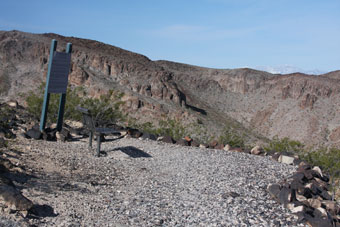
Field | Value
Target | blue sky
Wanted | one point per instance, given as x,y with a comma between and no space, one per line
211,33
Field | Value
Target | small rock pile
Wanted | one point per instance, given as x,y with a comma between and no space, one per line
11,198
49,134
306,195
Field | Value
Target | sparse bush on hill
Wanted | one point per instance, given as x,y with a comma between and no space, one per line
229,136
105,109
174,128
284,145
329,161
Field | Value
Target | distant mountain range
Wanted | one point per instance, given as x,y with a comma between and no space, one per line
288,69
254,103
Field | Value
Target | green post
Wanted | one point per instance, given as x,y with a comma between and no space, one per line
62,100
47,95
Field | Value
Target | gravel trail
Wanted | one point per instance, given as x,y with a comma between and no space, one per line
149,183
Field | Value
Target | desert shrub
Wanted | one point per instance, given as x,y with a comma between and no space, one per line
329,161
284,145
105,109
231,137
171,127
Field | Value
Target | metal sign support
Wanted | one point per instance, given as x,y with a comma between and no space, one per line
56,82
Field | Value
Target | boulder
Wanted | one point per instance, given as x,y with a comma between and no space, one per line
13,199
256,150
318,170
320,212
13,104
64,135
274,190
182,142
322,184
49,134
303,166
213,144
237,149
219,146
319,222
300,177
134,133
296,184
194,143
315,203
286,195
149,136
187,138
306,192
276,156
34,134
168,139
203,146
286,159
298,209
227,147
331,207
300,198
325,195
314,188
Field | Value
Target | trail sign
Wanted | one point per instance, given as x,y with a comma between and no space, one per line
59,72
56,81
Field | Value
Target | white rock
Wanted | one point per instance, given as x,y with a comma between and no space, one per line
58,136
290,206
323,211
13,104
318,170
309,185
315,203
297,209
202,146
286,159
123,133
256,150
227,147
300,198
74,124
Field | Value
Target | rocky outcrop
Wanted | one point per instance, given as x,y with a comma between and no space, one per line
299,106
306,195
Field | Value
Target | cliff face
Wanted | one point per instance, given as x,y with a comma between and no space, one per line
302,107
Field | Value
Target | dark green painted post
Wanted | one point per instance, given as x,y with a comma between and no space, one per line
62,100
47,95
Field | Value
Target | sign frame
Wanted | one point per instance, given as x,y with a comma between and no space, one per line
56,68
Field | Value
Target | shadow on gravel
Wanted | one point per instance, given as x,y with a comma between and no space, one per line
133,152
41,211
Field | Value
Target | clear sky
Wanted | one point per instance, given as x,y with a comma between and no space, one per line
211,33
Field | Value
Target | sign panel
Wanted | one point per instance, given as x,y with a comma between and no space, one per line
59,72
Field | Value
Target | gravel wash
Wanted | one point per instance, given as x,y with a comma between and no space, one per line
149,183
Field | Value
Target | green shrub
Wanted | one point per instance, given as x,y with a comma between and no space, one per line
231,137
329,161
105,109
284,145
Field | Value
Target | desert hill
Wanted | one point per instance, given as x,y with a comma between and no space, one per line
299,106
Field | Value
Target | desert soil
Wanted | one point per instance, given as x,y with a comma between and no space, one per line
146,183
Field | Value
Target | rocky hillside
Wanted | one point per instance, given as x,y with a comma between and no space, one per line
302,107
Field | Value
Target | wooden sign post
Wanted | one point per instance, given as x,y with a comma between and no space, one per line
56,82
